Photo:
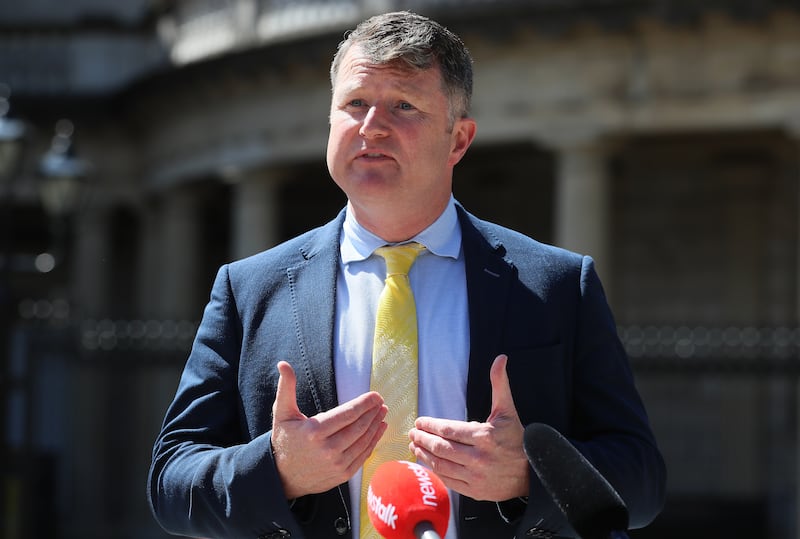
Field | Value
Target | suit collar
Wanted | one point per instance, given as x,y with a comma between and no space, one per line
442,237
324,238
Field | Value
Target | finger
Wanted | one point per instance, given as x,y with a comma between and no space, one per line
432,449
502,399
360,435
366,444
443,467
435,448
447,429
285,405
452,473
355,415
356,442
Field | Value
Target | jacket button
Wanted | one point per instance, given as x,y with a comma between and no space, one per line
539,533
277,534
341,526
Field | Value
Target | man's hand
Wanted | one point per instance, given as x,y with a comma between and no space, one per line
484,461
314,454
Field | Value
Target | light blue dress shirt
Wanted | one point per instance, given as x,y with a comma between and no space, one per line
439,283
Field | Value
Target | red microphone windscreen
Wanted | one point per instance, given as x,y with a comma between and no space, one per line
402,494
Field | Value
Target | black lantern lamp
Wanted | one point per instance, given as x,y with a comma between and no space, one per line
62,174
12,141
12,136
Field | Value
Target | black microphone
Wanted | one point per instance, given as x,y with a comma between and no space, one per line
592,506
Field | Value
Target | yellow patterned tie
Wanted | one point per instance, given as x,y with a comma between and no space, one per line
394,366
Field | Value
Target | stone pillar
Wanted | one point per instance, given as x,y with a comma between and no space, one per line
91,267
149,260
256,215
171,290
583,199
179,295
793,132
88,464
86,392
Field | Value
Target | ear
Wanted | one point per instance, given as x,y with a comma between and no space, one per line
463,134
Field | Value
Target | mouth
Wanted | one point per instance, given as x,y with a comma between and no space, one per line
372,155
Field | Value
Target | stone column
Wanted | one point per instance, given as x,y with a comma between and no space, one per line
179,296
583,198
793,131
87,459
85,395
93,252
171,290
256,215
149,259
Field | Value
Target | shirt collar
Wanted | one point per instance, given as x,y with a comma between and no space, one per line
442,237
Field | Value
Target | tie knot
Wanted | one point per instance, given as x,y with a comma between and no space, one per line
399,258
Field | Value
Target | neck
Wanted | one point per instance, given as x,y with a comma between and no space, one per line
396,226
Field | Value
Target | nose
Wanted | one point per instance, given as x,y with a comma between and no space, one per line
374,124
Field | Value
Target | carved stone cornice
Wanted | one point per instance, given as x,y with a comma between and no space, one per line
245,113
269,105
656,77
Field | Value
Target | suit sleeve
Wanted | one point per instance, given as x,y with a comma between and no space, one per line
207,479
607,420
626,454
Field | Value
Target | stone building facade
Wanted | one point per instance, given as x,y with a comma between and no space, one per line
660,137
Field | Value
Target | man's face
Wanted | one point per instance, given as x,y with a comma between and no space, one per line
391,148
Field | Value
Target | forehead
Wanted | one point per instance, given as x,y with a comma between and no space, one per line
356,70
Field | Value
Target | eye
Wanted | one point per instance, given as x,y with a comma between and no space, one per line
405,106
356,103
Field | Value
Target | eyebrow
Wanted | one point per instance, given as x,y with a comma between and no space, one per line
402,86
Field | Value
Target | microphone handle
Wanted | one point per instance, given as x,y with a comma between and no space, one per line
424,530
618,535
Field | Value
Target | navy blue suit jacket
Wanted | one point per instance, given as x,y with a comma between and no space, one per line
213,474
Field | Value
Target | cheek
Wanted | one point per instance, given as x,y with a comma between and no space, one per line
436,152
329,149
341,129
335,143
330,154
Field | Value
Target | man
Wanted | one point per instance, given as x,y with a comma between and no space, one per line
274,418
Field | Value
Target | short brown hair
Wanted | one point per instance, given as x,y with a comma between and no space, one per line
419,43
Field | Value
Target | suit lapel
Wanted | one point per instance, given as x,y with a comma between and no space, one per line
488,278
313,290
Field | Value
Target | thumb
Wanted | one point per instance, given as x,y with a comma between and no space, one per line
285,405
502,400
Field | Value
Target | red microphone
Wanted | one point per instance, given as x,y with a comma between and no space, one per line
408,501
